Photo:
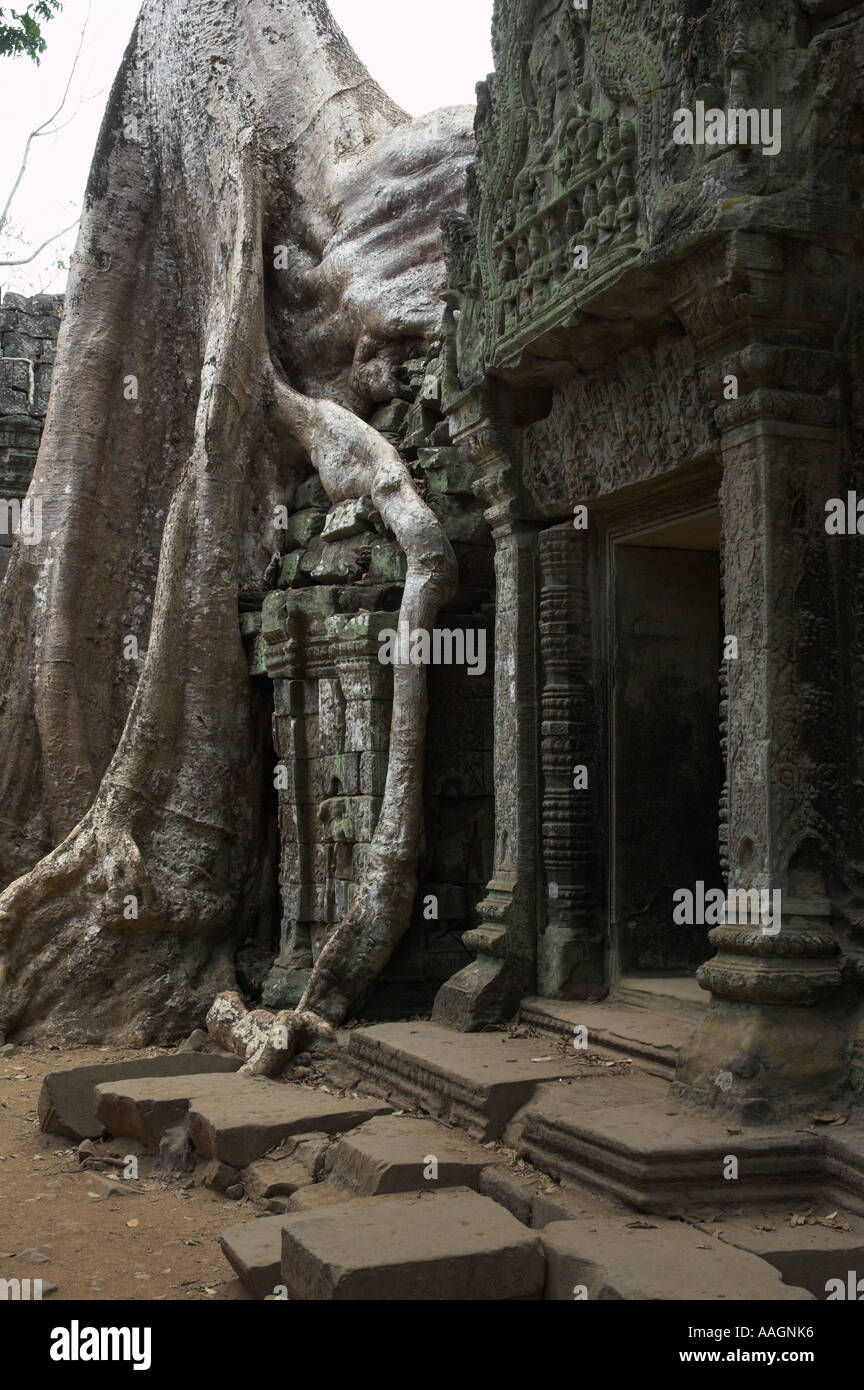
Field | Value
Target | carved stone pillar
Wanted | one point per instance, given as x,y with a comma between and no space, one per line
570,962
505,943
774,1039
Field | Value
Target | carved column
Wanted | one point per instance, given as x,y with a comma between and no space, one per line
505,943
570,961
774,1039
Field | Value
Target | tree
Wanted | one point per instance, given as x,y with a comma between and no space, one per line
21,30
232,128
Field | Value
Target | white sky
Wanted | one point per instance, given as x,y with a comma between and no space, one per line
424,56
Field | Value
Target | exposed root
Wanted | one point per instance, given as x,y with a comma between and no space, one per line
268,1041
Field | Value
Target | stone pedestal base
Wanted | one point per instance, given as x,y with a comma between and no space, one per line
765,1062
489,991
570,964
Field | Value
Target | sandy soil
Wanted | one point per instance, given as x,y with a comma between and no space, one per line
156,1241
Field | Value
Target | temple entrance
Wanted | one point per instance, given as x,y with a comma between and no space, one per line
667,770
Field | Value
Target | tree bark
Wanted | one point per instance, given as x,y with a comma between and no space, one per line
232,129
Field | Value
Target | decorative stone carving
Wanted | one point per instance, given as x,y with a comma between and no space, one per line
571,949
784,823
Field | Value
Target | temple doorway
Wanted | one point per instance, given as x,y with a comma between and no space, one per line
666,765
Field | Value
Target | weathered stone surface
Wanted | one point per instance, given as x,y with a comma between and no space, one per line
289,569
218,1176
264,1179
398,1153
387,564
146,1108
28,333
239,1126
452,1245
12,402
67,1101
461,520
651,1039
806,1256
311,493
608,1260
315,1196
336,562
348,519
620,1137
276,1178
477,1081
254,1250
510,1190
301,527
15,374
390,419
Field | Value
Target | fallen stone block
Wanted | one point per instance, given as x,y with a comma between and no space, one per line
66,1101
146,1108
265,1179
668,1261
254,1251
217,1176
240,1126
309,1150
399,1153
450,1245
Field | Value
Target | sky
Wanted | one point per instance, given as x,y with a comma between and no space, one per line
424,57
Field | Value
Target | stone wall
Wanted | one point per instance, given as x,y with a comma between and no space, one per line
335,585
28,340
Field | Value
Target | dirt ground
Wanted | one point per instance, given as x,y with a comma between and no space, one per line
155,1240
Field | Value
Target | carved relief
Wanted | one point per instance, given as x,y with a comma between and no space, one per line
643,415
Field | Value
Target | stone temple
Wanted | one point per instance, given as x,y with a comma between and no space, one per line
640,427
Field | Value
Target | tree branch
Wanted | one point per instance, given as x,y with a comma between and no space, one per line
4,265
42,130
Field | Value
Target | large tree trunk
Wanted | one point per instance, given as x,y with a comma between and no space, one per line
234,127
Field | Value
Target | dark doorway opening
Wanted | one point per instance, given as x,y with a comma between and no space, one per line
667,770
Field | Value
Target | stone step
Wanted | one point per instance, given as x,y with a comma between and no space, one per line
238,1128
399,1153
474,1080
625,1136
235,1119
843,1164
672,996
144,1108
452,1245
67,1102
608,1260
651,1039
805,1256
